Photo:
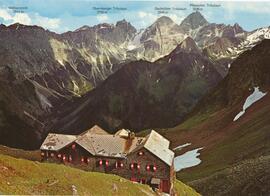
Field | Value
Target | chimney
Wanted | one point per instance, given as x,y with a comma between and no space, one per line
131,135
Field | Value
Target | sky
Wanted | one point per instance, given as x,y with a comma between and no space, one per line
68,15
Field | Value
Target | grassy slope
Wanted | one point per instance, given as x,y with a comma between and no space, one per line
19,153
20,176
251,176
225,142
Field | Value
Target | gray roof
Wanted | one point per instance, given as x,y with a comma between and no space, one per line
159,146
86,142
98,142
108,145
95,130
56,142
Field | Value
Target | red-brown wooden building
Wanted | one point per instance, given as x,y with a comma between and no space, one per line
145,160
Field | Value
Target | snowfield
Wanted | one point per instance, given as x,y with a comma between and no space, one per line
186,160
136,42
251,99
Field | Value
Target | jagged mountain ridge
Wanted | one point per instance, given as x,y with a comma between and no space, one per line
164,35
193,21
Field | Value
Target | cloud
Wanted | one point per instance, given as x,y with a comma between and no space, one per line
176,18
49,23
232,8
22,18
5,15
142,14
102,17
148,17
28,19
16,18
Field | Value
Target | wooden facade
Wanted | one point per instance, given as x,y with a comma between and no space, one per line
139,165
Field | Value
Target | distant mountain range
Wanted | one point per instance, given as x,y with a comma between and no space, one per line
155,73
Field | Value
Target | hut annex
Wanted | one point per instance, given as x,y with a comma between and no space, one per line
146,160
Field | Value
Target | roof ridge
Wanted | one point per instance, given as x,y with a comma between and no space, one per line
63,134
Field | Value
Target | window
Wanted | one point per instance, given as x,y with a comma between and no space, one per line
140,153
135,166
103,162
119,164
73,146
100,162
82,159
70,158
152,168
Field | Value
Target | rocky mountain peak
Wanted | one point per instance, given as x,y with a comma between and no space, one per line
187,45
19,26
194,20
122,22
164,20
83,28
238,28
2,26
125,26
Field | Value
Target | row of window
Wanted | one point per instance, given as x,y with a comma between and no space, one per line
136,166
105,163
132,166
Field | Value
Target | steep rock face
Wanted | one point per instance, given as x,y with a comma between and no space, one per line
143,95
188,45
252,39
208,34
164,35
159,39
193,21
82,58
21,106
255,66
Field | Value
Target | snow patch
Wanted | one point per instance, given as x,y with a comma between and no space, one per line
45,103
186,160
135,43
181,146
251,99
103,27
